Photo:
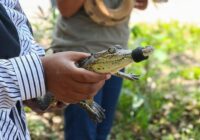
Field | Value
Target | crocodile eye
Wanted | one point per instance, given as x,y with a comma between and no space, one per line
112,50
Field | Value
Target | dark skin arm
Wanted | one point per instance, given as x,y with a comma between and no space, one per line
68,8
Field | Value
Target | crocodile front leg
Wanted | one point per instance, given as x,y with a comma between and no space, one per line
94,110
127,76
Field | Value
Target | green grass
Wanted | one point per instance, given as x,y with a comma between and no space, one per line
164,103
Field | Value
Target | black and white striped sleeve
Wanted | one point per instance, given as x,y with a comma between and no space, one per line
21,78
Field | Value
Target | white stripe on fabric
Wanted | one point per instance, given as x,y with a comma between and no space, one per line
21,78
29,72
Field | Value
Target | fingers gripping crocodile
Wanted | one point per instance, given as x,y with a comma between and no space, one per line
107,61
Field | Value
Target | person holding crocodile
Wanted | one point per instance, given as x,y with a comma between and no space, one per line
79,29
25,73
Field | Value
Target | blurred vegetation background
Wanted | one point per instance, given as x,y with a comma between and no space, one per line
163,105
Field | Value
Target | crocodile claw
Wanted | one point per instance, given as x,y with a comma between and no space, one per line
94,110
131,77
134,76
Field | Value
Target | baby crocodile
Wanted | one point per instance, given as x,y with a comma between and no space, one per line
107,61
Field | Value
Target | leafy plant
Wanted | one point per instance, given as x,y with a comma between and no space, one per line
156,106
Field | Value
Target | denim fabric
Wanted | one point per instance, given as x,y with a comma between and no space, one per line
78,125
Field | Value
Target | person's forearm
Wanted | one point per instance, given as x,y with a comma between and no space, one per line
68,8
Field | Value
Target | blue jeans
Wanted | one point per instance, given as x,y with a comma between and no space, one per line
78,125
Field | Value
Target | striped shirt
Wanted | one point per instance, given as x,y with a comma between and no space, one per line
21,78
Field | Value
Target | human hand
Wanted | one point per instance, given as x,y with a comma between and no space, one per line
66,81
141,4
